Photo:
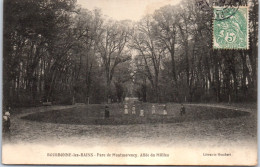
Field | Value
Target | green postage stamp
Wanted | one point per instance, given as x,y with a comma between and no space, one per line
230,28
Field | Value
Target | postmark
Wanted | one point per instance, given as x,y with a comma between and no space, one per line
207,5
223,13
230,27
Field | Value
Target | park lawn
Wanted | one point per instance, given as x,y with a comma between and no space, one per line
238,130
94,114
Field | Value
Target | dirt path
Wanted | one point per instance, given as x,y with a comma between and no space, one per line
24,112
226,106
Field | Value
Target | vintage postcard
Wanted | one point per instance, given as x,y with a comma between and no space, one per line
130,82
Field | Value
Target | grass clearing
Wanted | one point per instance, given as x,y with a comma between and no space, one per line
221,131
94,114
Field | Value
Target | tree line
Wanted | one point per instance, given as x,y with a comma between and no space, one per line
57,51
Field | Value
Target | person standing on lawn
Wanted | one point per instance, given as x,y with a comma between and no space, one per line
182,111
106,112
7,123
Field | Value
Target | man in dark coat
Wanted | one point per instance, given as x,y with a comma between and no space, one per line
182,111
6,124
106,112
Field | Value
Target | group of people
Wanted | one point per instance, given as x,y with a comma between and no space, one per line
182,110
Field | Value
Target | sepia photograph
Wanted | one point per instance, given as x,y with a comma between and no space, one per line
129,82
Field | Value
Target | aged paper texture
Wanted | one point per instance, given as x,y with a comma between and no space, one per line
130,82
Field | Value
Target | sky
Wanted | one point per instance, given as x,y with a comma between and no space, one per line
126,9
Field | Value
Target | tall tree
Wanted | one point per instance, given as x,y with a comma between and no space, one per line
111,46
